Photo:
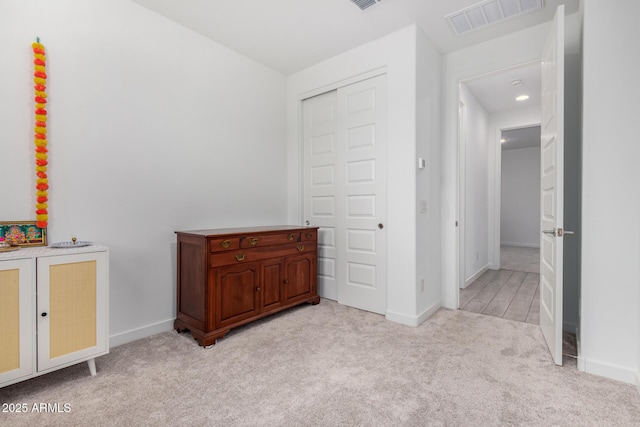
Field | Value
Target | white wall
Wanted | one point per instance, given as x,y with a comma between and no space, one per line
395,54
610,197
152,129
474,218
520,199
428,179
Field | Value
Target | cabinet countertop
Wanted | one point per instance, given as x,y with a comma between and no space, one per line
40,251
245,230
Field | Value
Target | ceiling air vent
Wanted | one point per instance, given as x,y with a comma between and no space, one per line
489,12
364,4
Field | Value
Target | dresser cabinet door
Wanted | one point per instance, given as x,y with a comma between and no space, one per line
17,314
72,307
299,278
272,281
237,291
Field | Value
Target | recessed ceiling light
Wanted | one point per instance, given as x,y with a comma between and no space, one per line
503,140
517,82
522,98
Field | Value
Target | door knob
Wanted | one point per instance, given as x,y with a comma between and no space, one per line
562,232
307,222
380,226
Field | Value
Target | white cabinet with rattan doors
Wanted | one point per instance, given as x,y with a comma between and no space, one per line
54,307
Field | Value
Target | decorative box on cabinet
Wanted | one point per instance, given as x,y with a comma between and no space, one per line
230,277
53,310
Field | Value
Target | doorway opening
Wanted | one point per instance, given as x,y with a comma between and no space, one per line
512,291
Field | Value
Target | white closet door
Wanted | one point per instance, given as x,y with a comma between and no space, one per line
345,191
320,157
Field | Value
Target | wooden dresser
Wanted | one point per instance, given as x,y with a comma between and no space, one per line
229,277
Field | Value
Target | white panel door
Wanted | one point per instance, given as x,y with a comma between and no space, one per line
362,138
552,187
320,168
345,192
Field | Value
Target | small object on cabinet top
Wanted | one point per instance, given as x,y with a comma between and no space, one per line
73,244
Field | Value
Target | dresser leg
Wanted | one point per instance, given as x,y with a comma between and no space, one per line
92,367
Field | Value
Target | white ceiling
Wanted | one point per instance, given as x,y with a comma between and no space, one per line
496,92
521,138
291,35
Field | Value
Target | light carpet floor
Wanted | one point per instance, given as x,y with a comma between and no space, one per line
329,365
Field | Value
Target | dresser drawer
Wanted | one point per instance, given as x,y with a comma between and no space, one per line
309,235
221,245
269,239
240,256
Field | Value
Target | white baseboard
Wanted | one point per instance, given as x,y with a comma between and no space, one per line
428,312
638,382
521,245
608,370
139,333
474,276
404,319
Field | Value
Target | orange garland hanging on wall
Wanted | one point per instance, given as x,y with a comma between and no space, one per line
40,135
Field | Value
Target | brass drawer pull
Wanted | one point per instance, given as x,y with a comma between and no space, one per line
253,241
292,236
300,248
225,243
309,235
258,289
240,257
